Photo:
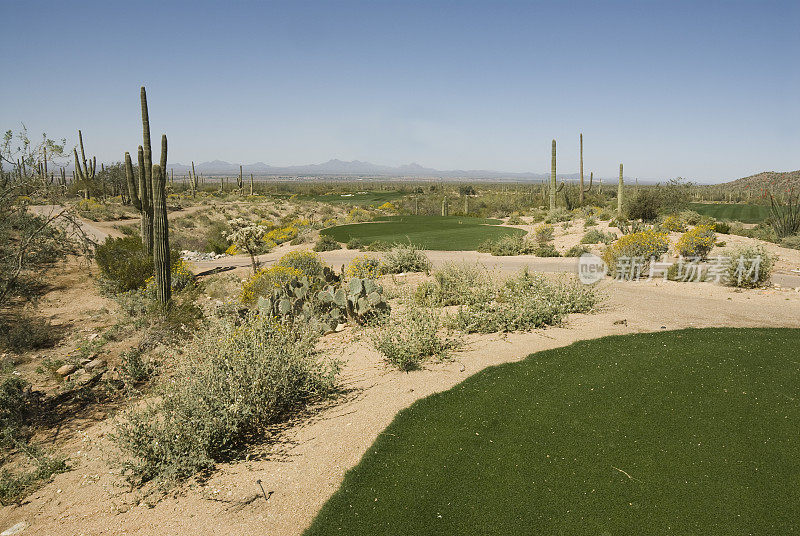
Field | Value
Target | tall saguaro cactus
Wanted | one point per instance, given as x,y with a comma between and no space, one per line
87,172
151,201
553,176
161,259
583,190
619,192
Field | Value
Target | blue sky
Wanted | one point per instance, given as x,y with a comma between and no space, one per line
703,90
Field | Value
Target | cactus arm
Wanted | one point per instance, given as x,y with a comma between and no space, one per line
161,236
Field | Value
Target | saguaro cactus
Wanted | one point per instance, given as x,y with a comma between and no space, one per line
583,190
251,184
193,180
239,181
619,193
444,206
161,259
87,172
553,189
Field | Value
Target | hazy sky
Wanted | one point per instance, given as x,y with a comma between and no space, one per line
704,90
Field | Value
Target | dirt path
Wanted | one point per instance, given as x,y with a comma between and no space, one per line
307,465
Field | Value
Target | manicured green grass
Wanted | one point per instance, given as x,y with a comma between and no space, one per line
683,432
732,212
447,233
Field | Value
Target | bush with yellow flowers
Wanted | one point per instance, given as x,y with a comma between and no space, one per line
307,262
358,214
673,224
263,281
643,246
388,207
280,235
697,242
365,267
233,249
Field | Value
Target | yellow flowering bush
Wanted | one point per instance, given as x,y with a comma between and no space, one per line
697,242
330,222
281,234
307,262
644,245
233,249
365,266
673,224
264,280
388,207
358,214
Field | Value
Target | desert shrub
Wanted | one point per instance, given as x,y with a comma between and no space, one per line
748,266
378,245
413,336
506,245
355,243
525,302
358,214
15,486
547,250
22,331
326,243
307,262
696,242
792,242
234,381
596,236
690,217
673,224
216,238
181,277
134,367
280,235
576,251
365,267
722,227
263,281
15,402
404,258
644,205
642,246
515,219
124,264
589,222
388,207
233,249
543,234
456,284
557,215
604,215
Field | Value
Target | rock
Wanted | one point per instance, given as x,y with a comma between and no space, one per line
340,327
66,370
15,529
95,364
623,322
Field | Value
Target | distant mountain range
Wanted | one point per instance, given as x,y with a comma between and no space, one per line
357,168
769,179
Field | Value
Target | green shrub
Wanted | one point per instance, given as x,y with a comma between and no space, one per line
557,215
722,227
22,331
543,234
792,242
265,280
411,337
515,219
590,222
644,205
690,217
596,236
378,245
748,266
327,243
15,401
696,242
456,284
525,302
15,486
673,224
355,243
506,245
233,383
576,251
547,250
404,258
123,263
307,262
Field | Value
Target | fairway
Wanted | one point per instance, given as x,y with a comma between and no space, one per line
364,198
446,233
732,212
683,432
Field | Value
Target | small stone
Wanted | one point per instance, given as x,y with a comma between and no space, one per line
66,370
94,364
340,327
15,529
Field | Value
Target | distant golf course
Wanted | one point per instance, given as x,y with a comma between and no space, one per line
684,432
732,212
446,233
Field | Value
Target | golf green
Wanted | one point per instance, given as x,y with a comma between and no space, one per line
732,212
683,432
447,233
